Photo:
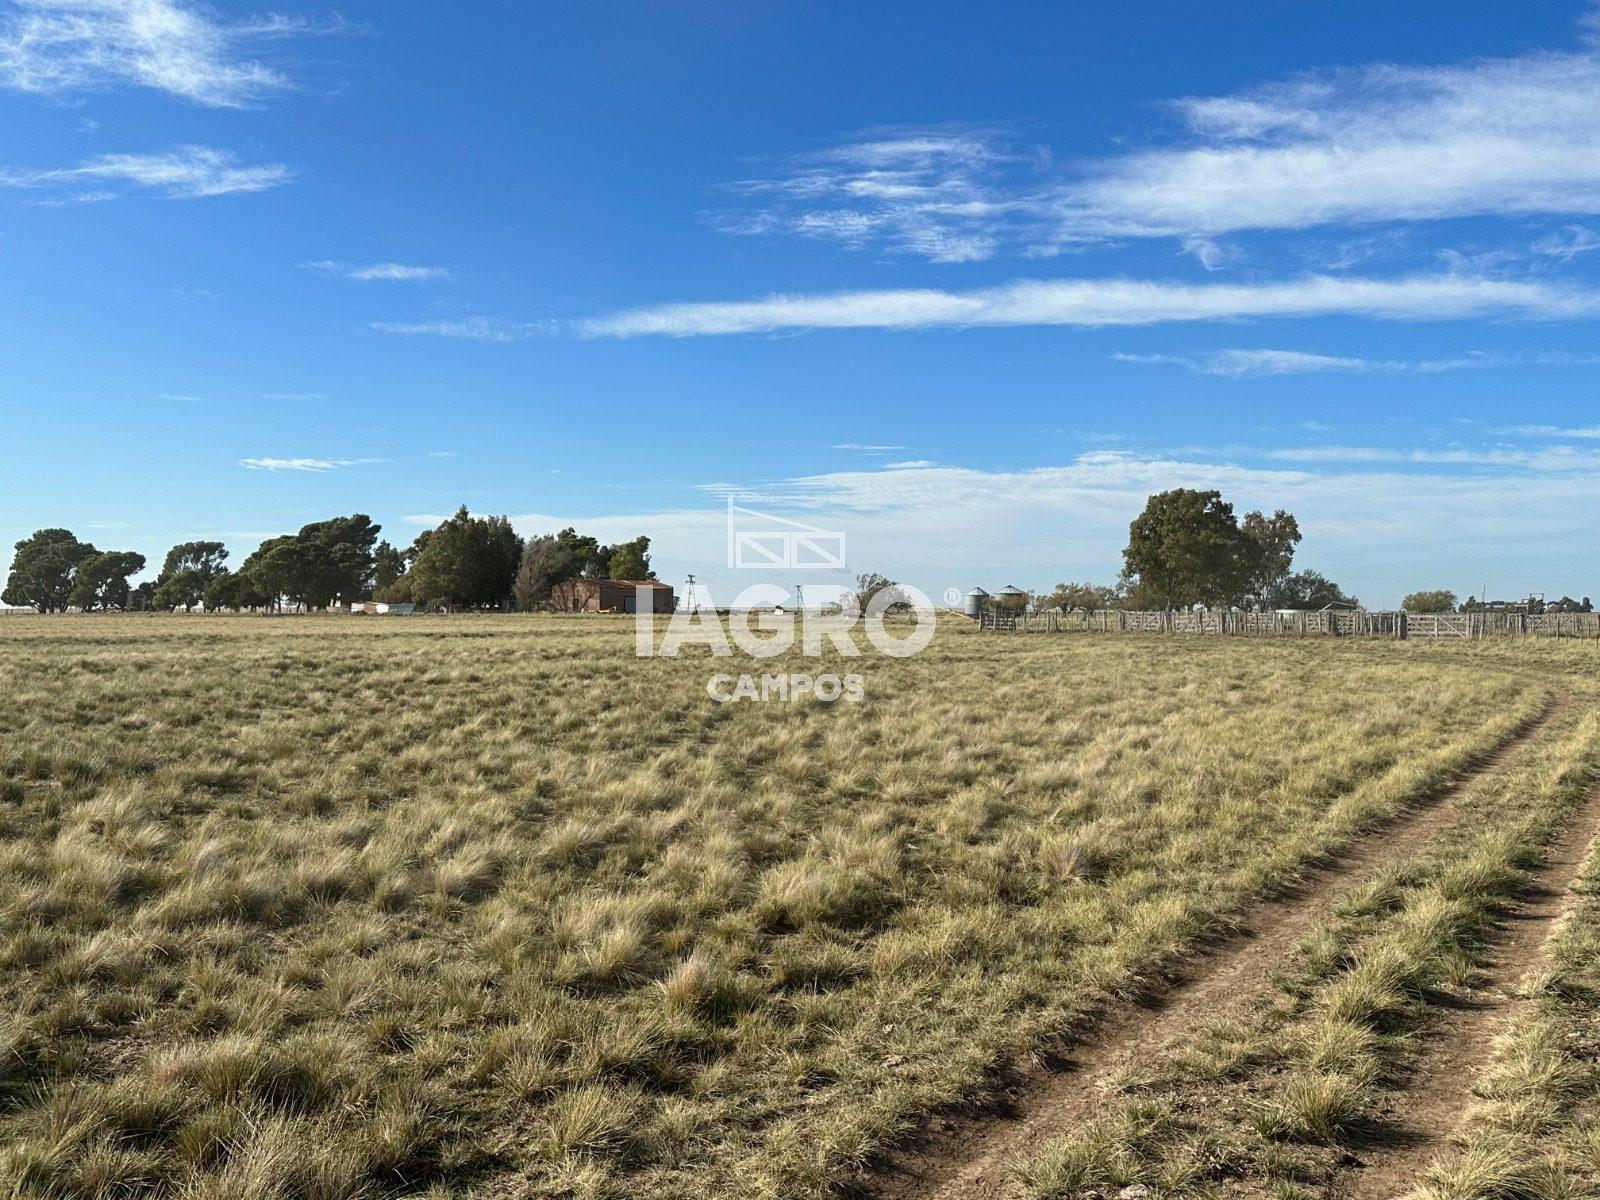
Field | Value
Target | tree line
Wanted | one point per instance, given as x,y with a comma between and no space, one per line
1441,601
1185,548
466,562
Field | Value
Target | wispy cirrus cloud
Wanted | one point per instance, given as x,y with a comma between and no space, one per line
315,465
1362,146
477,329
936,194
382,272
1567,243
1553,431
1551,458
1108,302
1509,137
869,448
53,46
183,173
1255,364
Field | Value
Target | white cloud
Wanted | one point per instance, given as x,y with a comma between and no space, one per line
1553,431
868,448
478,329
384,272
51,46
286,396
185,399
1516,136
1247,364
1567,243
1252,364
1553,458
66,201
1101,302
183,173
933,194
302,464
1378,529
1209,254
1510,136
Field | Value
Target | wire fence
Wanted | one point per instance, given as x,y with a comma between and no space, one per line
1330,623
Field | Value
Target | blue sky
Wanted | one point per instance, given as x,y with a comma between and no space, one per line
965,285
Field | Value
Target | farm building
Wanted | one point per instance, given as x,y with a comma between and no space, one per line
609,595
382,607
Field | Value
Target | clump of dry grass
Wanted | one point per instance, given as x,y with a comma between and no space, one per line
316,908
1534,1133
1273,1096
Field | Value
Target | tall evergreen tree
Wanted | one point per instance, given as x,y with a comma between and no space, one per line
467,562
43,568
101,580
187,569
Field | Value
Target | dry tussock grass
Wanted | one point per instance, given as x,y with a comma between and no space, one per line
1274,1098
335,909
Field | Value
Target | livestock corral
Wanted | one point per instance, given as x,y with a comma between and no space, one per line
317,908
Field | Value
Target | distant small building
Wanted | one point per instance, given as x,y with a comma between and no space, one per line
610,595
383,608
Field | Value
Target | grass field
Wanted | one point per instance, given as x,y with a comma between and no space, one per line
325,908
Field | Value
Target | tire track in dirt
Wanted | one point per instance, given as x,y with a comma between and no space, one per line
1421,1117
970,1157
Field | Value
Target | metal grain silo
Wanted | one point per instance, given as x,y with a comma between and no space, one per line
975,599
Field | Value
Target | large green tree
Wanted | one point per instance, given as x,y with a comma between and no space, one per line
388,564
629,560
1268,549
1089,597
1305,590
1439,601
187,569
235,590
43,568
275,570
1186,548
467,562
324,561
101,580
338,559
